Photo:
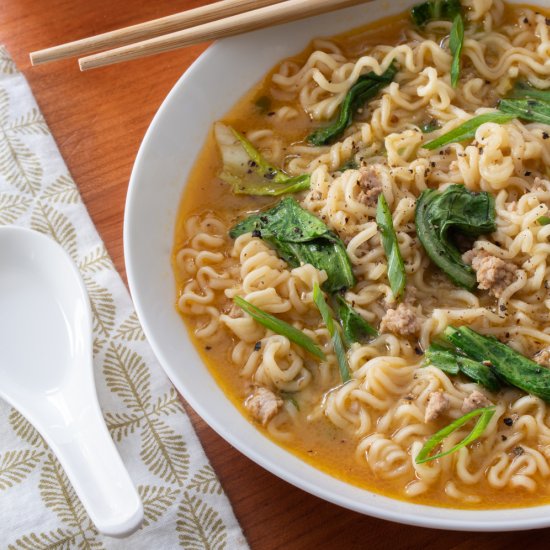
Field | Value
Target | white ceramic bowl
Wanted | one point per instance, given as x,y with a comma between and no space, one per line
204,94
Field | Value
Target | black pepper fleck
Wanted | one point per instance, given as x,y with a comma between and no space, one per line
257,346
517,451
508,421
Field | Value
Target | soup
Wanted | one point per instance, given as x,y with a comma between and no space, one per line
361,255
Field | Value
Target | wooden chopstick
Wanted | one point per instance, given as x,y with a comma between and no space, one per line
290,10
149,29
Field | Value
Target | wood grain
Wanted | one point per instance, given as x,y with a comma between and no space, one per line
99,119
149,29
283,12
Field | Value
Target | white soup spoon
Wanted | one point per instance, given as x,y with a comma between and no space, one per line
46,373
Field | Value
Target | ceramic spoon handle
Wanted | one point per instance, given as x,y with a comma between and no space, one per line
88,455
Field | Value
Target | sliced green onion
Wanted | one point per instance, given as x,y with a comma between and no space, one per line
468,129
337,343
524,89
543,220
396,266
280,327
485,414
456,42
442,358
532,110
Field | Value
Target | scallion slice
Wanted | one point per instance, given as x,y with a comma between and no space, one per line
456,42
485,414
280,327
468,129
396,266
532,110
337,342
543,220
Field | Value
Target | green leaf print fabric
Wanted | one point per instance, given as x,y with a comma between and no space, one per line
185,506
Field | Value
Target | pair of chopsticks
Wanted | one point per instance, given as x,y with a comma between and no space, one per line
218,20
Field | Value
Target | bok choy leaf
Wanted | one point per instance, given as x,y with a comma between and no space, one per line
512,367
337,343
366,88
435,10
524,90
248,172
301,238
280,327
396,266
485,415
459,210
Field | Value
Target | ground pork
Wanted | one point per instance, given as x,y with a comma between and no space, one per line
263,405
492,273
542,357
476,400
402,321
370,185
438,403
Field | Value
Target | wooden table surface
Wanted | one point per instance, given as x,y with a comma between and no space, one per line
98,119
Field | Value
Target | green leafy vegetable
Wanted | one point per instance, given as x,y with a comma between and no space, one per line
354,326
287,396
452,363
468,129
248,172
337,343
456,42
435,10
396,267
479,373
280,327
523,90
350,164
544,220
533,110
508,364
485,415
263,103
301,238
441,358
367,87
430,126
459,210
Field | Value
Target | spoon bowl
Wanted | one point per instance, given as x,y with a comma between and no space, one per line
46,372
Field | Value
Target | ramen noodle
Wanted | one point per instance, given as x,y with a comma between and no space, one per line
369,429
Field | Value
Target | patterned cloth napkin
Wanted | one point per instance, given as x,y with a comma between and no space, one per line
182,497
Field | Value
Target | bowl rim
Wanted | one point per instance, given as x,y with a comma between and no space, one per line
409,513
